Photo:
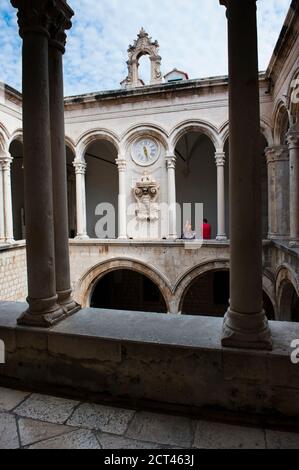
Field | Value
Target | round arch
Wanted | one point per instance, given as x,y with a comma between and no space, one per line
294,105
145,130
90,278
91,136
202,127
281,123
266,131
286,282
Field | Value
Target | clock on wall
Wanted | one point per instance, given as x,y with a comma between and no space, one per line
145,151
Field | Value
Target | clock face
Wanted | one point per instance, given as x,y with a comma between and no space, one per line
145,151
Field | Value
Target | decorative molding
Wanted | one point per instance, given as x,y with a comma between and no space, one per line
146,192
80,168
277,154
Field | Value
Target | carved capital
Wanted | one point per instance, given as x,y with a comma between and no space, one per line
5,163
220,158
121,164
277,154
49,17
171,162
80,168
293,140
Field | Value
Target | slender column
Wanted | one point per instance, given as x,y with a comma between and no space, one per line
122,199
293,142
43,310
220,163
60,205
80,169
172,228
278,191
2,227
245,324
8,220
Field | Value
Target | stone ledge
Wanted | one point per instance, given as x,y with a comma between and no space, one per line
169,360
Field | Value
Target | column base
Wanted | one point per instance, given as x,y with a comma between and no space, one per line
221,238
10,241
42,313
122,237
246,331
294,243
82,237
66,301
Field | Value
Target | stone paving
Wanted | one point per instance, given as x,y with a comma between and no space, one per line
34,421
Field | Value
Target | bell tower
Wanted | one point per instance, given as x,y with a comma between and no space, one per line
144,45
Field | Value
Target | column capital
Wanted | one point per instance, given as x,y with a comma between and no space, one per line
121,164
277,154
80,168
60,22
49,17
220,158
5,163
171,162
293,140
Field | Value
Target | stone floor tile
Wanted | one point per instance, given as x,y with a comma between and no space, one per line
8,432
161,429
209,435
32,431
9,399
108,441
101,418
80,439
45,408
281,440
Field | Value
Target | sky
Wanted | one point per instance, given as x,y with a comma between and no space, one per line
192,35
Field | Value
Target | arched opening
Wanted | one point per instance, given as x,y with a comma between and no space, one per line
196,179
208,295
125,289
289,303
101,188
71,192
17,188
144,69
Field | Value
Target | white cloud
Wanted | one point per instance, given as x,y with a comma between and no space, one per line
192,36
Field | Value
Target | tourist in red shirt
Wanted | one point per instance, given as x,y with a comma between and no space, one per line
206,230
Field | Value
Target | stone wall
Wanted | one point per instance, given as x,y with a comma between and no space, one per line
13,273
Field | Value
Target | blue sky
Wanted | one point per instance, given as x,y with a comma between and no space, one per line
192,36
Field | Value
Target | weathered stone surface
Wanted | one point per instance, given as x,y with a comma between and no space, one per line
33,431
102,418
281,440
210,435
162,429
8,432
9,399
46,408
109,441
80,439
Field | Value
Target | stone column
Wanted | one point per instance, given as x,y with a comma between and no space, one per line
80,169
7,199
220,163
44,310
293,142
62,262
245,324
172,228
2,227
122,199
278,191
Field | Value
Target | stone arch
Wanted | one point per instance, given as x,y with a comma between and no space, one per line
294,103
93,135
4,139
144,130
285,280
266,131
184,283
202,127
281,123
87,282
70,144
144,45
